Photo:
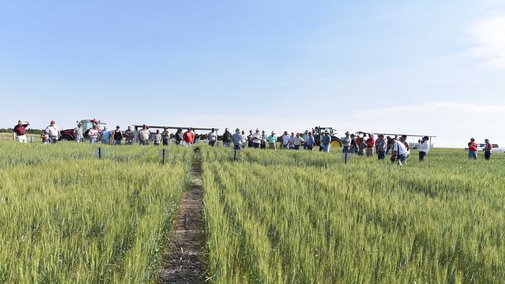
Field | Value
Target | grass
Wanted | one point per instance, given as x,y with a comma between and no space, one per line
286,216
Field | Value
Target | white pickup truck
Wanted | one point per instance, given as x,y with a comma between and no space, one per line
496,148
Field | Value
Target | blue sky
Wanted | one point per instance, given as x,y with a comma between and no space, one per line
427,67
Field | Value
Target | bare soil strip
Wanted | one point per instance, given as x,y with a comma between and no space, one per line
183,263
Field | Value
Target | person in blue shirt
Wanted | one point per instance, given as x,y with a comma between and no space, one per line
309,141
325,142
105,135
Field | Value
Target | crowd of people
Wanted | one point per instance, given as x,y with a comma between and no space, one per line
360,144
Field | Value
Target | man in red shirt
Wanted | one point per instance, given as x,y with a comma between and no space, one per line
472,149
19,132
370,143
188,137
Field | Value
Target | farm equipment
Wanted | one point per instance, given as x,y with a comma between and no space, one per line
87,124
318,132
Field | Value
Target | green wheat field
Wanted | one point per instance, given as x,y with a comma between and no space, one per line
271,217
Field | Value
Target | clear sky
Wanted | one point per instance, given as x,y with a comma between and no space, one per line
421,67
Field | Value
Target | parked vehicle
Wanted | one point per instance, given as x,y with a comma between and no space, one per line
87,124
496,148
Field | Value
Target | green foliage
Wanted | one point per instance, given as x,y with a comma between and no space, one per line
67,217
306,217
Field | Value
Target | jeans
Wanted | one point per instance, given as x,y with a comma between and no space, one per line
142,142
487,155
256,145
421,156
92,140
212,143
381,155
326,148
53,139
165,141
472,155
117,142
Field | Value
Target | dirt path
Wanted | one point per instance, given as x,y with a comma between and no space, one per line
183,263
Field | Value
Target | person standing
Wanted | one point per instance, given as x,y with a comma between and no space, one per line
370,144
285,140
179,136
19,132
297,141
157,138
249,139
346,146
93,134
272,141
353,148
78,133
309,142
117,135
398,150
106,134
380,147
263,140
212,137
129,136
472,149
165,136
226,138
53,131
361,145
245,141
488,147
424,148
188,137
256,139
144,135
44,137
326,141
237,140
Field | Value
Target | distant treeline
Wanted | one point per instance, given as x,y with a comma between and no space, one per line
29,131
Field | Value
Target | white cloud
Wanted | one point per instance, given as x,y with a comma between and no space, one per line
488,37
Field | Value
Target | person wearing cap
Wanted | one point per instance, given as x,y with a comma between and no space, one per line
309,141
212,137
488,147
472,149
237,139
129,136
256,138
272,141
226,138
19,132
399,151
380,147
144,135
325,142
105,135
346,145
165,136
117,135
424,148
285,140
93,134
53,131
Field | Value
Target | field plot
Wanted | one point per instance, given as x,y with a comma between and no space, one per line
67,217
298,217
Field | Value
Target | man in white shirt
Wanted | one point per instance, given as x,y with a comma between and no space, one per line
212,136
144,135
53,131
399,151
285,140
256,138
424,148
297,141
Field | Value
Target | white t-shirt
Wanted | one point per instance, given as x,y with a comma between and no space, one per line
285,139
424,147
256,138
53,131
212,136
93,133
400,148
297,141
